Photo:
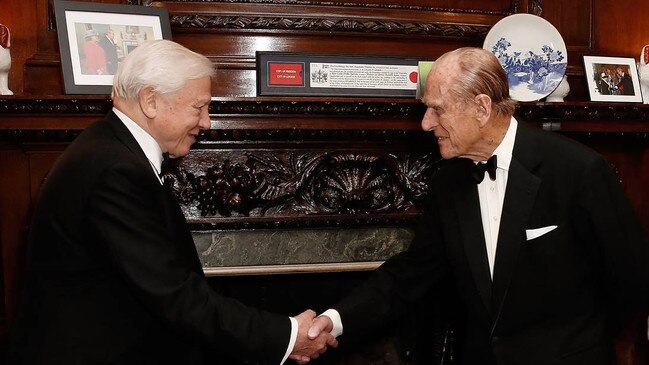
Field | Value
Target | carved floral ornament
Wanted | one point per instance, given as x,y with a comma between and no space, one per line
330,25
275,184
340,23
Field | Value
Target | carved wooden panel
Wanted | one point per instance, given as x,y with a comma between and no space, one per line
278,184
320,19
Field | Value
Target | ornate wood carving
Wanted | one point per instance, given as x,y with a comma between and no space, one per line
330,25
297,107
577,111
54,106
611,118
299,183
400,18
583,112
387,108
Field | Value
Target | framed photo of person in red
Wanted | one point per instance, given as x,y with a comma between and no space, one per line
95,37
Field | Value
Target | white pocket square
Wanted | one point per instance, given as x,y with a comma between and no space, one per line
538,232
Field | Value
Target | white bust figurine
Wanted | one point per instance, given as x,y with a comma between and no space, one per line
643,73
560,92
5,60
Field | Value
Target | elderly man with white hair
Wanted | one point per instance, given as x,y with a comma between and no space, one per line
114,277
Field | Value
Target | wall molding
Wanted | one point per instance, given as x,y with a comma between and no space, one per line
513,8
350,25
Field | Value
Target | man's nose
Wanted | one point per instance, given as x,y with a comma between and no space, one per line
205,122
429,121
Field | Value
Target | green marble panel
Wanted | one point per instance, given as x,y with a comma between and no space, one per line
299,246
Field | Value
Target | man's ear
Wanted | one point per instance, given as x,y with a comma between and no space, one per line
483,110
148,100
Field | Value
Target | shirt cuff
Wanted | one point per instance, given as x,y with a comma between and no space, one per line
335,318
293,339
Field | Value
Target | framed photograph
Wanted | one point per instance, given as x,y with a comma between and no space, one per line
612,79
344,75
95,37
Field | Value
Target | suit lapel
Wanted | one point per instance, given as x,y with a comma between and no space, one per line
125,137
520,196
177,224
472,234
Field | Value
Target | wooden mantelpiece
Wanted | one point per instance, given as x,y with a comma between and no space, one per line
75,113
586,117
40,128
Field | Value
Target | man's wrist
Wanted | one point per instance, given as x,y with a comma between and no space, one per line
335,319
292,339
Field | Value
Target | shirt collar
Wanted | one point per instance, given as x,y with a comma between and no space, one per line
506,147
147,143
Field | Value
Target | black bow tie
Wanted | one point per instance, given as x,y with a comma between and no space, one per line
166,161
166,169
478,170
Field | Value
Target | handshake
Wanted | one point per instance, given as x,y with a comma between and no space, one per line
313,337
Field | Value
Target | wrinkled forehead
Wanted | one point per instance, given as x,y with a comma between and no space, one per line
440,78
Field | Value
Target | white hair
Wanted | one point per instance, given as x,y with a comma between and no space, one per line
162,64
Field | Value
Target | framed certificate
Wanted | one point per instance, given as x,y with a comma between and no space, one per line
306,74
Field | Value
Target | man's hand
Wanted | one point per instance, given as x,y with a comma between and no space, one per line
320,324
309,347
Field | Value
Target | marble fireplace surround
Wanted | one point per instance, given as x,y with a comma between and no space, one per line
294,205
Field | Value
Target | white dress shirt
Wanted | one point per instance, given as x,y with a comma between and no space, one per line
492,193
154,155
149,145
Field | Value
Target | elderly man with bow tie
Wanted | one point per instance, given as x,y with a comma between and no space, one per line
546,252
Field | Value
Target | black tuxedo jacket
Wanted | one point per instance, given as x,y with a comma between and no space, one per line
626,84
113,273
551,297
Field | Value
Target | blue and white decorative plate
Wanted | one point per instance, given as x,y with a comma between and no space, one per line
532,52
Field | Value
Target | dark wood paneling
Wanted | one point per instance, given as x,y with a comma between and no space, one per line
621,27
588,26
574,20
14,207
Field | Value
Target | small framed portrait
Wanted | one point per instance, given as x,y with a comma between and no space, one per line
612,79
95,37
